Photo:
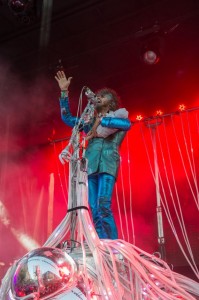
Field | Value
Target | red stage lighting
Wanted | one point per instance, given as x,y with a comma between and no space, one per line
139,118
159,112
182,107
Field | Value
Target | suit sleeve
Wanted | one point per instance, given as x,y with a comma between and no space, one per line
68,118
116,123
66,115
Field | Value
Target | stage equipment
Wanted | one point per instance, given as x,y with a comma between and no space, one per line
151,57
159,112
139,117
47,7
25,10
182,107
20,6
107,269
151,51
161,240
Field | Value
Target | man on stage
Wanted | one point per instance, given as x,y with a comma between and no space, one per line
105,134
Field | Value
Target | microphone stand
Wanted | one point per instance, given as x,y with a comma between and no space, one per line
74,142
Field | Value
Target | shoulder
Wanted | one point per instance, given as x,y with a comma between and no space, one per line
121,113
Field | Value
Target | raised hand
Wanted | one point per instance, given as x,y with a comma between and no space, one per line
63,81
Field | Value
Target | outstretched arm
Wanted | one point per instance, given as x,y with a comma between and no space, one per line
64,84
66,115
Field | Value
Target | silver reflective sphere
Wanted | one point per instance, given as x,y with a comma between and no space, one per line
43,272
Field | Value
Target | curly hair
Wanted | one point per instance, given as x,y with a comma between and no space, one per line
112,96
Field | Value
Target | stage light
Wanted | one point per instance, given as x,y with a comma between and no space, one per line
182,107
25,10
17,6
20,6
139,118
159,113
151,56
152,50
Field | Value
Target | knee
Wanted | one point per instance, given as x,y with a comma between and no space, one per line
105,202
105,207
94,212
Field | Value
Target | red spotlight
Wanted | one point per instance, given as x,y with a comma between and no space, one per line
159,112
182,107
139,118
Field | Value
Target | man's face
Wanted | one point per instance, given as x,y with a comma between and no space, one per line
103,102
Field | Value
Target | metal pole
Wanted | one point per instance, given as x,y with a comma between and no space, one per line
161,240
74,203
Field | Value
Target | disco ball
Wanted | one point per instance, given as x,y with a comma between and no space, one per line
43,273
151,57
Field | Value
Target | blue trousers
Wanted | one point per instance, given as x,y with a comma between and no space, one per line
100,189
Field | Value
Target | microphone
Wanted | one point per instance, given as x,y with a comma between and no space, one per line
90,95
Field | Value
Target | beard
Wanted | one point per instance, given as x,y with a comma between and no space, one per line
99,107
